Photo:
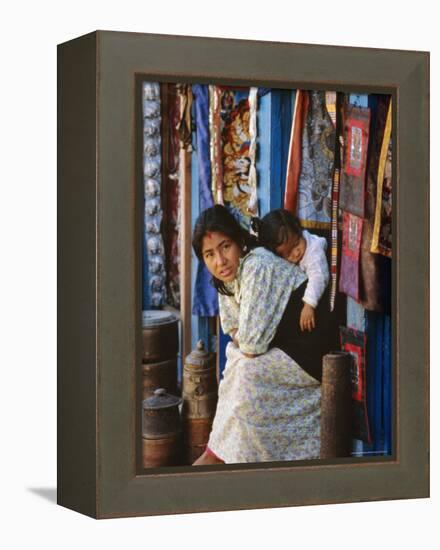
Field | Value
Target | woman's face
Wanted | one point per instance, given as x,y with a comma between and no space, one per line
221,255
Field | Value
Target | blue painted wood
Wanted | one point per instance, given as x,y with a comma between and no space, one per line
223,341
200,329
375,382
355,315
274,120
281,122
359,100
387,386
263,165
378,388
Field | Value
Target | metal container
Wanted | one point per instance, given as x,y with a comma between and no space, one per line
199,392
161,430
160,339
160,335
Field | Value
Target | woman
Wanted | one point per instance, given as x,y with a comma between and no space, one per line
269,398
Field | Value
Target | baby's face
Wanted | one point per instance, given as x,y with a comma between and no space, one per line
292,249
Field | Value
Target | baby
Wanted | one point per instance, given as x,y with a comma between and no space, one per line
280,232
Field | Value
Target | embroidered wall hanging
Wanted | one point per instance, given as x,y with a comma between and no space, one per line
374,282
236,141
382,242
356,134
318,146
351,240
355,342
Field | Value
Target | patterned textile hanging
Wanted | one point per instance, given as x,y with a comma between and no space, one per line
184,125
171,200
152,187
205,301
333,103
252,180
315,183
351,242
355,342
356,135
215,132
382,241
295,148
236,141
374,269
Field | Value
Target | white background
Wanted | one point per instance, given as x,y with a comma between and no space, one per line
29,34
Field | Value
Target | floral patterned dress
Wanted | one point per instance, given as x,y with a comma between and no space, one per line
268,407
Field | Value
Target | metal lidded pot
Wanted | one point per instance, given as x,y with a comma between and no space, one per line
161,417
161,430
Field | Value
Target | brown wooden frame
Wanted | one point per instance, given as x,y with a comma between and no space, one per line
99,224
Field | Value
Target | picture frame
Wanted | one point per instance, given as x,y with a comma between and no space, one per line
99,327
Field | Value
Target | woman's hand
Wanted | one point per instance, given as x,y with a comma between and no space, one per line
307,319
233,335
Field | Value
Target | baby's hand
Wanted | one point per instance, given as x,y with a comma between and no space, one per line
307,319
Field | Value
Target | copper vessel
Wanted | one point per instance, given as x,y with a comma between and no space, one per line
199,393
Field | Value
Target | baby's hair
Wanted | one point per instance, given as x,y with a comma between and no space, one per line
274,228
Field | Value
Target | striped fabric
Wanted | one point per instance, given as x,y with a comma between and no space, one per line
215,130
331,104
334,240
252,181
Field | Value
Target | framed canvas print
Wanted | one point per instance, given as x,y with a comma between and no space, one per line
243,274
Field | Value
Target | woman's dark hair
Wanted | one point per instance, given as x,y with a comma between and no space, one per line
219,219
274,228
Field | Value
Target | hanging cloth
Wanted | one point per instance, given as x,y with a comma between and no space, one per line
333,105
355,342
356,135
351,242
252,180
215,132
315,182
295,147
184,124
205,301
171,200
151,107
236,141
375,282
381,242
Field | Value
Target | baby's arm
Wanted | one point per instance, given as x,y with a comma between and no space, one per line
317,273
